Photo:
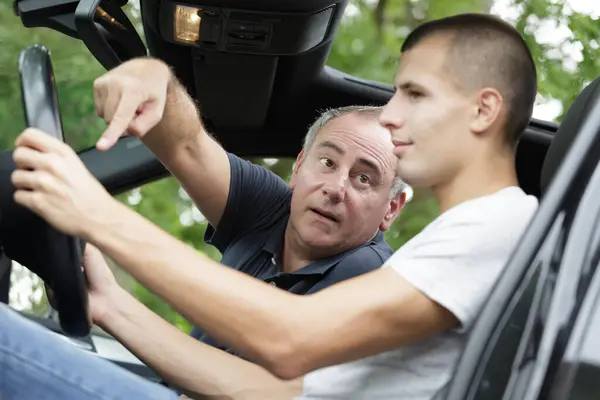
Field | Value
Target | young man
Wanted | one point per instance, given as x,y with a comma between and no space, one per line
465,91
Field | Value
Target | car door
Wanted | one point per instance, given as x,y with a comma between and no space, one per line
578,370
519,340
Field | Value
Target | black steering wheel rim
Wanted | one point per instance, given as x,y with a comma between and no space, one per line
26,238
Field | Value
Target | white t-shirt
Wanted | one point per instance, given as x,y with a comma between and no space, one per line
456,261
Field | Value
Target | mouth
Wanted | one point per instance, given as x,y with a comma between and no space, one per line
400,146
325,214
401,143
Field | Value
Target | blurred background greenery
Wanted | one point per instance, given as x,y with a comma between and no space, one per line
561,34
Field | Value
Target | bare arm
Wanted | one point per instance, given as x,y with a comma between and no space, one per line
198,162
142,97
202,371
377,311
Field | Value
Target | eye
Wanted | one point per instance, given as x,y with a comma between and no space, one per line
364,179
326,162
414,94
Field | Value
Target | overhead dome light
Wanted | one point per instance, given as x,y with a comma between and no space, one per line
187,24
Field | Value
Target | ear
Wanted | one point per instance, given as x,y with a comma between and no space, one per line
488,107
396,204
297,165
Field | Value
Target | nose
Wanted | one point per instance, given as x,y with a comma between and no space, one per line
391,116
335,188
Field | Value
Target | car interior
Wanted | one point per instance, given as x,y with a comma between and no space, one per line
257,70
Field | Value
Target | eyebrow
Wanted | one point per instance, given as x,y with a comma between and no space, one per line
408,85
332,146
364,161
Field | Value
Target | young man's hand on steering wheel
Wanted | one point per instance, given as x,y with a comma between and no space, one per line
103,288
54,183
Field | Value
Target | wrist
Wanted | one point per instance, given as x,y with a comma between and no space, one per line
105,223
113,307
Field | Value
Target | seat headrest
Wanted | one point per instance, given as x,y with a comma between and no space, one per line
568,130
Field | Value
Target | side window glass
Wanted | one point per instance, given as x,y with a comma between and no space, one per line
517,334
577,369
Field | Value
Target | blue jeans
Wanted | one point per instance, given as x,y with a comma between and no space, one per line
35,364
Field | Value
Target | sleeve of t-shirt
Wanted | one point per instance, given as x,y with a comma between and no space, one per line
456,265
254,194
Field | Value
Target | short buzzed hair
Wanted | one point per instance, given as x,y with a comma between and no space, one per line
485,51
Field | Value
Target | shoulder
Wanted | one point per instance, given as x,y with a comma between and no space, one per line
485,219
242,168
508,205
367,258
364,259
478,232
455,260
491,220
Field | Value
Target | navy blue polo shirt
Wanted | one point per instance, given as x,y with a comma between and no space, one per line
250,237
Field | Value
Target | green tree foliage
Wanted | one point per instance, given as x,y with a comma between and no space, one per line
367,45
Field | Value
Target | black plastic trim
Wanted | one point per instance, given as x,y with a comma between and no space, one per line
565,301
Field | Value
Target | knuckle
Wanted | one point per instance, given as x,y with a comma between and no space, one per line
15,177
18,154
37,201
125,82
101,83
59,166
67,150
98,83
134,129
29,131
42,178
52,162
119,119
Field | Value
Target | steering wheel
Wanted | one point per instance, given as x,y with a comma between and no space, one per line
26,238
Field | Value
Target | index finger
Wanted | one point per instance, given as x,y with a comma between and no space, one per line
125,113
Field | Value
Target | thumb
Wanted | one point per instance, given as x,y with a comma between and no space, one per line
91,254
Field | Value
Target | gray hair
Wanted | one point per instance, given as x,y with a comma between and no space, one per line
369,111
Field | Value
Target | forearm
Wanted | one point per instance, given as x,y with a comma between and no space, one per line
180,128
206,293
287,334
187,363
194,158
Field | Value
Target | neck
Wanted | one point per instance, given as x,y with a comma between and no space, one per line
293,255
487,176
